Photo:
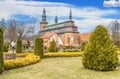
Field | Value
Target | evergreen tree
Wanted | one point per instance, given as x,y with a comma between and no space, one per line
100,53
53,47
28,43
19,46
39,47
1,50
82,46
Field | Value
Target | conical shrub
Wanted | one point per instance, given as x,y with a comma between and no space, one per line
52,47
38,50
19,46
100,53
1,51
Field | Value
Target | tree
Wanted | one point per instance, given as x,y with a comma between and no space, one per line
39,47
115,32
19,46
1,51
53,47
24,30
6,47
12,34
100,53
28,43
15,30
82,46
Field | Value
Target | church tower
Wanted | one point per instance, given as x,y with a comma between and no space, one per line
70,16
44,21
56,19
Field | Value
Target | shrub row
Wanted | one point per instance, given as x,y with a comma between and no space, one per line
63,54
20,62
71,50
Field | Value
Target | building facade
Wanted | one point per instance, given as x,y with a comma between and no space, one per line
67,31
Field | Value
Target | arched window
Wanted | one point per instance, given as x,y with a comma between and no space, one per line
68,40
74,40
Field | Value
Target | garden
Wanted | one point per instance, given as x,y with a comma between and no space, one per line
98,59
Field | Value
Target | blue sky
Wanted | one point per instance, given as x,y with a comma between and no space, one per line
86,13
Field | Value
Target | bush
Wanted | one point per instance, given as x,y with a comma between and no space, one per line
6,46
82,46
28,43
63,54
19,46
100,53
70,49
53,47
20,62
117,47
39,47
1,51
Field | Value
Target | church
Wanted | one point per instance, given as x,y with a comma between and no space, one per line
64,33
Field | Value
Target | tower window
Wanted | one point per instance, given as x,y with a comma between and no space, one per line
74,40
68,39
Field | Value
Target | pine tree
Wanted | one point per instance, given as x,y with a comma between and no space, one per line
82,46
1,51
53,47
100,53
28,43
39,47
19,46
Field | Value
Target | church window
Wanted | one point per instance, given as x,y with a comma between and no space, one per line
68,39
74,40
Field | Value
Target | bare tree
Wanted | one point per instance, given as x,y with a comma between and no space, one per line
15,30
24,30
11,30
115,32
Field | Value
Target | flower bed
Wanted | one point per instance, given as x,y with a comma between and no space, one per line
63,54
20,62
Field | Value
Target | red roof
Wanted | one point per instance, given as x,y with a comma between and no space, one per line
47,36
84,37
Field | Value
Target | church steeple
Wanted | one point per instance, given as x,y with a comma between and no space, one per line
44,16
70,16
56,19
44,22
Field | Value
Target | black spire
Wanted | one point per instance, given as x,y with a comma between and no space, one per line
70,16
44,16
56,19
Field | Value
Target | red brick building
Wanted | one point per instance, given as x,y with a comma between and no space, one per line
64,33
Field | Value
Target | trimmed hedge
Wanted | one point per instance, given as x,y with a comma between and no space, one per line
63,54
1,51
19,46
20,62
38,47
100,54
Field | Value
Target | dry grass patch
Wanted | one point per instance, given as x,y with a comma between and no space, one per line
59,68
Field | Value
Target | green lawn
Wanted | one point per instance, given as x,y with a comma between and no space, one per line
59,68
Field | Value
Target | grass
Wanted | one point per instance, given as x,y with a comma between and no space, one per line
59,68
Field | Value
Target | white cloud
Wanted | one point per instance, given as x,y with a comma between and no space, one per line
91,16
111,3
